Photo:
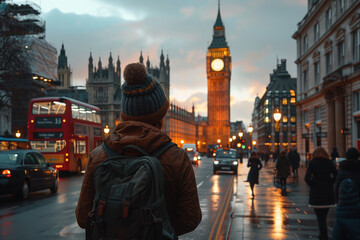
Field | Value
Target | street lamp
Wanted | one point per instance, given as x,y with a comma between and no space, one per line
241,134
106,129
250,130
18,134
277,117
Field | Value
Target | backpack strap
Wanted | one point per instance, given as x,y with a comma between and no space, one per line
109,152
157,153
140,150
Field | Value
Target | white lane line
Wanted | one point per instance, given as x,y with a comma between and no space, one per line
200,184
68,230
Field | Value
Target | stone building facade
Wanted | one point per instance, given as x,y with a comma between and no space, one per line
280,95
328,68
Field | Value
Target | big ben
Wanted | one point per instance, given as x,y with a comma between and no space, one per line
218,69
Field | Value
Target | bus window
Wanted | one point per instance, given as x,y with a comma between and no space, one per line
48,146
75,111
80,147
54,107
82,113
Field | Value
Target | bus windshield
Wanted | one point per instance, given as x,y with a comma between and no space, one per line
48,146
51,107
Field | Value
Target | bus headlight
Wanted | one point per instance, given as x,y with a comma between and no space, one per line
235,163
216,162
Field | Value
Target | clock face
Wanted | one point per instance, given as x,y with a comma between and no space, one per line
217,64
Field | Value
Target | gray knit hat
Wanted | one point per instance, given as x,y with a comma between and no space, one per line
143,98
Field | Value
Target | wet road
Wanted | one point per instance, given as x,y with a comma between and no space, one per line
228,210
46,216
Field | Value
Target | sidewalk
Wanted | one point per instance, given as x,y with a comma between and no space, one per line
271,215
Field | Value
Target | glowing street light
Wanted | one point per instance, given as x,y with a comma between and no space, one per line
241,134
106,129
234,137
219,141
18,134
277,117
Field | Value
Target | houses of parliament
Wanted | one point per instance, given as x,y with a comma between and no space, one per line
103,89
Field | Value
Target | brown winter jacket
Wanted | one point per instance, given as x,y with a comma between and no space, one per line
181,194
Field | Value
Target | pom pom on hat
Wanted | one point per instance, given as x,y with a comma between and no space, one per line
135,74
143,98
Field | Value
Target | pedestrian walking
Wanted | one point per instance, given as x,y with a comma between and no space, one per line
334,155
283,170
294,158
253,176
320,176
266,157
349,168
144,106
347,215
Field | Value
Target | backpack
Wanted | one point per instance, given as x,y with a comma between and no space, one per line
129,198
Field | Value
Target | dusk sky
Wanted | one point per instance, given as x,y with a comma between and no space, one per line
257,31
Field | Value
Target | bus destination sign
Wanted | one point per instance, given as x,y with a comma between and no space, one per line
47,135
48,122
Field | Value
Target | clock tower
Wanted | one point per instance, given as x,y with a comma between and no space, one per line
218,69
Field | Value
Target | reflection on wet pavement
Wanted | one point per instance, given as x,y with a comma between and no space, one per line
271,215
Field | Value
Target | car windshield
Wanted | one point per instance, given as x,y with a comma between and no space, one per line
225,154
9,158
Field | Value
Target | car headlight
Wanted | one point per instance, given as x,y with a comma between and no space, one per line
214,154
235,163
216,162
195,158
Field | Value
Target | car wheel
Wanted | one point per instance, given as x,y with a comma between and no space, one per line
54,189
24,191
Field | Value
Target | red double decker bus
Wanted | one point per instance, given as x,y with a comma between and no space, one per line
64,130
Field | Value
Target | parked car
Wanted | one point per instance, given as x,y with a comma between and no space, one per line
225,160
23,171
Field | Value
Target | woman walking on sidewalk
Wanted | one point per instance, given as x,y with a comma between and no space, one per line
283,170
320,176
253,176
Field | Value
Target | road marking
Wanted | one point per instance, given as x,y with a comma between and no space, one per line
200,184
222,212
66,231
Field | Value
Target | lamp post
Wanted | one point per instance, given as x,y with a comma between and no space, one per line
18,134
250,130
106,131
277,117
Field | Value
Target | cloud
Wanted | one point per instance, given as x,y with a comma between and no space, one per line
256,31
187,11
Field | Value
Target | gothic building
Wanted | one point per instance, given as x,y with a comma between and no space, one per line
218,68
104,90
64,87
63,70
280,95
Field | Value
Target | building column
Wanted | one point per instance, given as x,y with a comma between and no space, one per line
329,97
340,115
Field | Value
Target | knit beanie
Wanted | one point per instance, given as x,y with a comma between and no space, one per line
143,98
352,153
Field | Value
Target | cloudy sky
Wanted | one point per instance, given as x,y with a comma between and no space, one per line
257,31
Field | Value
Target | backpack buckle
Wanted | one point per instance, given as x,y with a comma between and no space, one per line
148,217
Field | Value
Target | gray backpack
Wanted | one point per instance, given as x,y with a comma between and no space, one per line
129,198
